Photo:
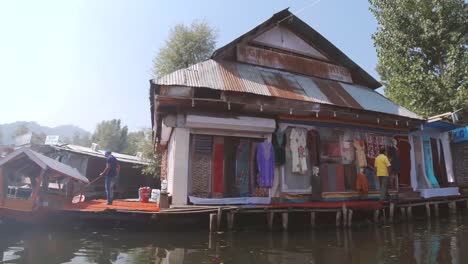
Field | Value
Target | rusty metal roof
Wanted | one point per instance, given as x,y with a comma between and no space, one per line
310,35
245,78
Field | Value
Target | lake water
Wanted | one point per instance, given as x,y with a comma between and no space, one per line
439,241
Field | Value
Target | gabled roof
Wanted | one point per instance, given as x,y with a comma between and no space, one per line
100,154
245,78
308,34
45,163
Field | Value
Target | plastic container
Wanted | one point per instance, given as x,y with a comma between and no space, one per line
155,193
164,186
145,193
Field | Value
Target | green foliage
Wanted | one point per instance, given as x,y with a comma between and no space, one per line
81,139
20,130
422,51
111,136
185,46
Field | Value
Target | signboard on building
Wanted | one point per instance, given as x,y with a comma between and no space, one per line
460,134
52,140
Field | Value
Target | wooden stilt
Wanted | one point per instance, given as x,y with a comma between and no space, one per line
466,203
436,209
230,220
403,213
213,222
350,217
392,212
219,218
345,215
409,211
270,218
312,219
338,218
453,207
376,216
428,210
284,218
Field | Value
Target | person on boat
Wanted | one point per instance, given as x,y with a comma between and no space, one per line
110,172
382,165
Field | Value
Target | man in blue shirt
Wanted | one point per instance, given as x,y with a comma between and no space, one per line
111,171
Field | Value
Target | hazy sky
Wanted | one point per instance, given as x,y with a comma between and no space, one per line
80,62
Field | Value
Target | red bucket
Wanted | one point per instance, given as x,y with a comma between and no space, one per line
145,194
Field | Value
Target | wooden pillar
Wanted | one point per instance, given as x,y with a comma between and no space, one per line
466,203
410,212
284,218
312,219
230,219
428,210
436,209
453,207
213,222
270,219
350,217
403,212
338,218
376,216
345,214
219,217
392,212
37,188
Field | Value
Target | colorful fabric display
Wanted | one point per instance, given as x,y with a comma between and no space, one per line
298,150
242,168
266,164
279,144
313,145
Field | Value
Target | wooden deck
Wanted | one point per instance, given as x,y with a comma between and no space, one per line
117,205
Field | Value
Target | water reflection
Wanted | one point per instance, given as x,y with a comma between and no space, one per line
441,241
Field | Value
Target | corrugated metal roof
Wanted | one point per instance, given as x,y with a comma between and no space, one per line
238,77
46,163
100,154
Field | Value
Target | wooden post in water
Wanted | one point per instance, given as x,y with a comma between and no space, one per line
350,217
270,219
345,214
312,219
376,216
338,218
213,222
403,213
410,212
453,206
392,212
428,210
219,217
284,218
230,218
436,209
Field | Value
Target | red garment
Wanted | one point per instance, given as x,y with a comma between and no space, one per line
361,184
218,170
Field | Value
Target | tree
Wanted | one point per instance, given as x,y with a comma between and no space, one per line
110,135
81,139
185,46
135,140
422,51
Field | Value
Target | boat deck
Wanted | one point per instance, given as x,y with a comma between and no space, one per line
117,205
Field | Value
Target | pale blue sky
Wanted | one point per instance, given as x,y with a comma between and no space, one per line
80,62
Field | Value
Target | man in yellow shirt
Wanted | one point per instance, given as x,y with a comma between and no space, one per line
381,167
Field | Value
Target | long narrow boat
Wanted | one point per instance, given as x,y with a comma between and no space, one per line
32,185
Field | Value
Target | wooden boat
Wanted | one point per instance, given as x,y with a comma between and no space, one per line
32,184
39,190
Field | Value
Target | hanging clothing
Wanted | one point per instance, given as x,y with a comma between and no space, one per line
395,161
266,164
360,153
298,150
218,167
313,145
243,168
253,165
275,189
370,176
279,144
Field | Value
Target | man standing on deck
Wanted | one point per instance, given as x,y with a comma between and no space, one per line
381,167
111,171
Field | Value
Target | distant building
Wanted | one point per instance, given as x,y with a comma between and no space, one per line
90,162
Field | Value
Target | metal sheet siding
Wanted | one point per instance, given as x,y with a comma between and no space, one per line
373,101
245,78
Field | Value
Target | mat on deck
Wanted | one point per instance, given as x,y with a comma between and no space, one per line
349,204
101,205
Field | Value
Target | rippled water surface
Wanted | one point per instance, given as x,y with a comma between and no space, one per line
438,241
